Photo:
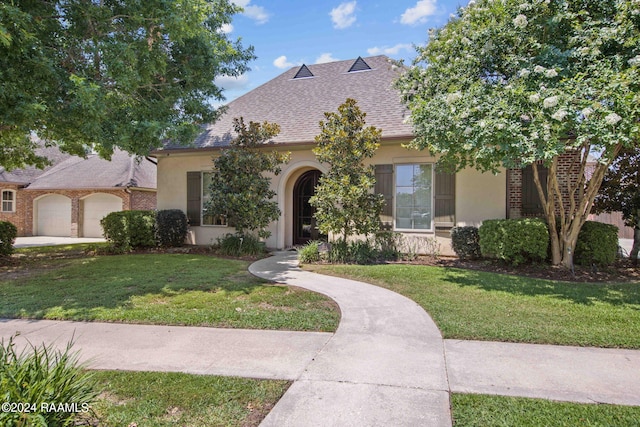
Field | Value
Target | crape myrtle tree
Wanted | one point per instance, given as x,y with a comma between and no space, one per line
508,83
240,183
620,192
103,74
344,201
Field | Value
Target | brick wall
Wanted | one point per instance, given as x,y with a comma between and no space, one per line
143,200
16,217
568,173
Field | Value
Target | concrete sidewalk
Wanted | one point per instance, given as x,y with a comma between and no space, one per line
386,364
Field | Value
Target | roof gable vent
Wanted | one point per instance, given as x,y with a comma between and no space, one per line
359,65
303,72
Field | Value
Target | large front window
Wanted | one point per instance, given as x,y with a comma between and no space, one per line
414,195
8,201
207,218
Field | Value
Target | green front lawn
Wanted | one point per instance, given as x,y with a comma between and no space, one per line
477,305
177,289
487,411
154,399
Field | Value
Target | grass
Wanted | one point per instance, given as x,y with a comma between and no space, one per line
478,305
177,289
153,399
487,411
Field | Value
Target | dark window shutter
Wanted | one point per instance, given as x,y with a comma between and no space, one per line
531,204
445,200
384,186
194,197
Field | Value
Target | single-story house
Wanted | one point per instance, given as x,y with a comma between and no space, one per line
420,201
71,196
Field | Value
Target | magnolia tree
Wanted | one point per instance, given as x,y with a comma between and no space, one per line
344,201
509,83
106,74
240,188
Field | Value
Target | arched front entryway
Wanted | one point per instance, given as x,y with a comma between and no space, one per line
304,222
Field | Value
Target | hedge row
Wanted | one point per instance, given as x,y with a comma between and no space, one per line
518,241
127,230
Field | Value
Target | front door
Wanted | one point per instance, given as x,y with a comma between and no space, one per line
304,222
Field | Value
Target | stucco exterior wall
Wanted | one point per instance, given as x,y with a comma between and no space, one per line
478,196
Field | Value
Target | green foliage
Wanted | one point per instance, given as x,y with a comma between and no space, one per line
465,242
239,190
8,233
597,244
514,240
40,378
111,74
237,245
309,253
388,244
504,84
171,227
344,201
127,230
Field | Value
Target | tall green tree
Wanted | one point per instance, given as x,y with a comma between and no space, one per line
111,73
344,200
620,192
508,83
240,187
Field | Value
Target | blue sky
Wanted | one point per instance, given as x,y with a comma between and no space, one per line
289,33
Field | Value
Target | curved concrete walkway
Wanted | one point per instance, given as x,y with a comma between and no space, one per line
384,366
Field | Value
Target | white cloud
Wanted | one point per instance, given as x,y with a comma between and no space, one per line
232,83
419,13
343,15
281,62
257,13
325,57
393,50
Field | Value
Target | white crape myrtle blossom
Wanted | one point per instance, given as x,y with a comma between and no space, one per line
520,21
635,61
612,119
453,97
551,73
559,115
550,102
586,112
524,72
539,69
535,98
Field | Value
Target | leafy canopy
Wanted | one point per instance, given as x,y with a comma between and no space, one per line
239,189
343,199
510,82
114,73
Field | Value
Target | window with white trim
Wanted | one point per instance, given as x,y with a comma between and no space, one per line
207,218
414,197
8,201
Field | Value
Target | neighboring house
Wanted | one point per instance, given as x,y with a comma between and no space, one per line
420,201
70,197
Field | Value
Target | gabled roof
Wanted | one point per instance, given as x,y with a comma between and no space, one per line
123,170
299,104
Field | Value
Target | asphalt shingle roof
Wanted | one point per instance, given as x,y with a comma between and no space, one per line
299,104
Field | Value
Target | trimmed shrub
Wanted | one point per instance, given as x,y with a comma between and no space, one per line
41,378
127,230
171,227
597,244
465,242
514,240
388,244
8,233
309,253
239,244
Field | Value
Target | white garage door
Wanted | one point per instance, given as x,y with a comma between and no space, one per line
96,207
54,216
